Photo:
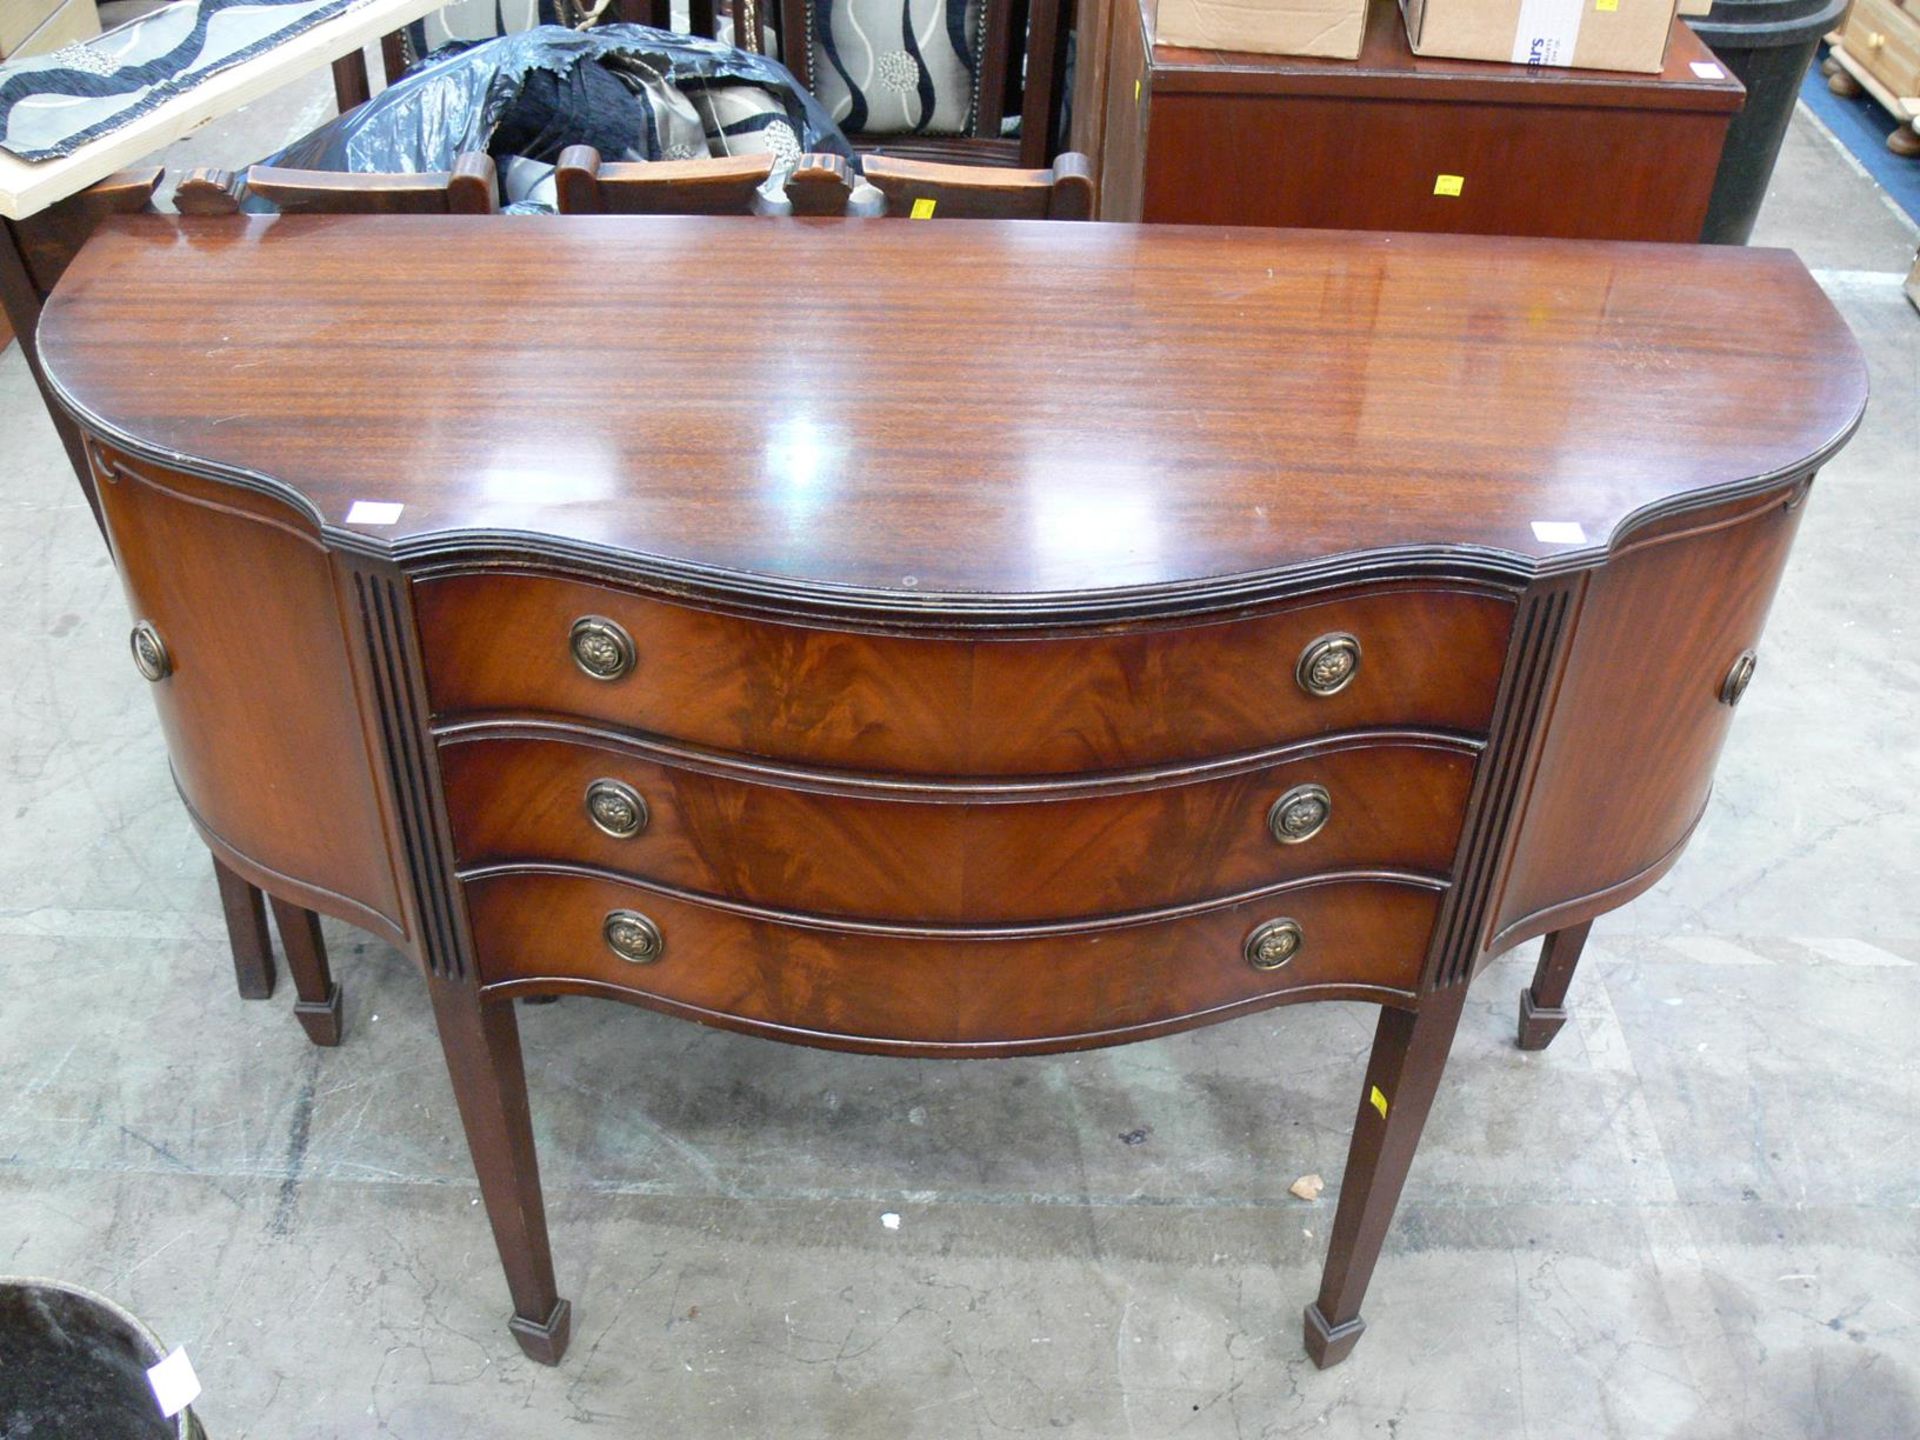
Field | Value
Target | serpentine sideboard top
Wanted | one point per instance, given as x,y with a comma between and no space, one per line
854,413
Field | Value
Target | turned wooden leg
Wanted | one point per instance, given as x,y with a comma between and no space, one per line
1409,1052
1904,141
1843,84
318,1008
1543,1004
481,1040
246,934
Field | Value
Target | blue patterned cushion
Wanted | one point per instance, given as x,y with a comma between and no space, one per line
897,67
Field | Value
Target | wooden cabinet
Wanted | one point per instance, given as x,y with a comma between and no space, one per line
1395,141
1100,631
1883,36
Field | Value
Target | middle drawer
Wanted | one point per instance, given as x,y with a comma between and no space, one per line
957,853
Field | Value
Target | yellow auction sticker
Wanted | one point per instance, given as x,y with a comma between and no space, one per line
922,209
1377,1100
1448,184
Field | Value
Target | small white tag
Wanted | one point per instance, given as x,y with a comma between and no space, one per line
1559,532
374,512
890,1220
1707,70
175,1385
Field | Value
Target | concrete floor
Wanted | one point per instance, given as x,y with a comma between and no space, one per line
1697,1215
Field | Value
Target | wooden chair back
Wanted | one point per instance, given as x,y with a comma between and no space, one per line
1014,79
822,185
925,189
727,185
470,188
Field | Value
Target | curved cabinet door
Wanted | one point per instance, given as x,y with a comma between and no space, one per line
1641,713
255,688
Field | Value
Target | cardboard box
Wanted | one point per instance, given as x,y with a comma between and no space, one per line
1266,27
1586,34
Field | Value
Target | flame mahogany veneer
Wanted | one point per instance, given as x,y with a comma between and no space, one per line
956,593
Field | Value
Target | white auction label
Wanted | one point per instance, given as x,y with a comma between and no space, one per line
175,1385
1707,70
1559,532
1547,32
374,512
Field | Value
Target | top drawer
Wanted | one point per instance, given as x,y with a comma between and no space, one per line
1429,656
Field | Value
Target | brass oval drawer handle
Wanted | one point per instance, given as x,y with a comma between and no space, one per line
616,808
1300,814
150,655
1274,944
632,936
601,647
1329,664
1738,678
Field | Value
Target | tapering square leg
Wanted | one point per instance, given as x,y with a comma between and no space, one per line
318,1009
1543,1004
247,936
481,1040
1409,1054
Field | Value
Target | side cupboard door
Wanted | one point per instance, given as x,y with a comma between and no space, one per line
1664,644
238,629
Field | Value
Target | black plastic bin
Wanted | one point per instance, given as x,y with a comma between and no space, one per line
1769,44
73,1366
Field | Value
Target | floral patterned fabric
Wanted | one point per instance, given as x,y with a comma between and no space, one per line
897,67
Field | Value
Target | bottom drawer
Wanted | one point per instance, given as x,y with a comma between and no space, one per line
930,990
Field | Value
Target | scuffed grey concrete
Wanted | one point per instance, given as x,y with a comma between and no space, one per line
1697,1215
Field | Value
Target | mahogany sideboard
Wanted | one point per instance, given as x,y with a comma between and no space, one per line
1394,140
991,638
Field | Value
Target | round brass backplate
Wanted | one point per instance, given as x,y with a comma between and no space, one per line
1274,944
1300,814
601,647
150,655
632,936
1328,665
616,808
1738,678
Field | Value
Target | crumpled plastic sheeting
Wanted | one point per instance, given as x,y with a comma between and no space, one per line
454,102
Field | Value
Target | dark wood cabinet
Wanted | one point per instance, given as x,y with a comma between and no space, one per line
1395,141
974,646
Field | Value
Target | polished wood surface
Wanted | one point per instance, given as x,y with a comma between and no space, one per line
952,853
1215,137
1027,444
960,644
918,991
1051,703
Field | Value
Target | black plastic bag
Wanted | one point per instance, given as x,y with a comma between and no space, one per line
534,92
